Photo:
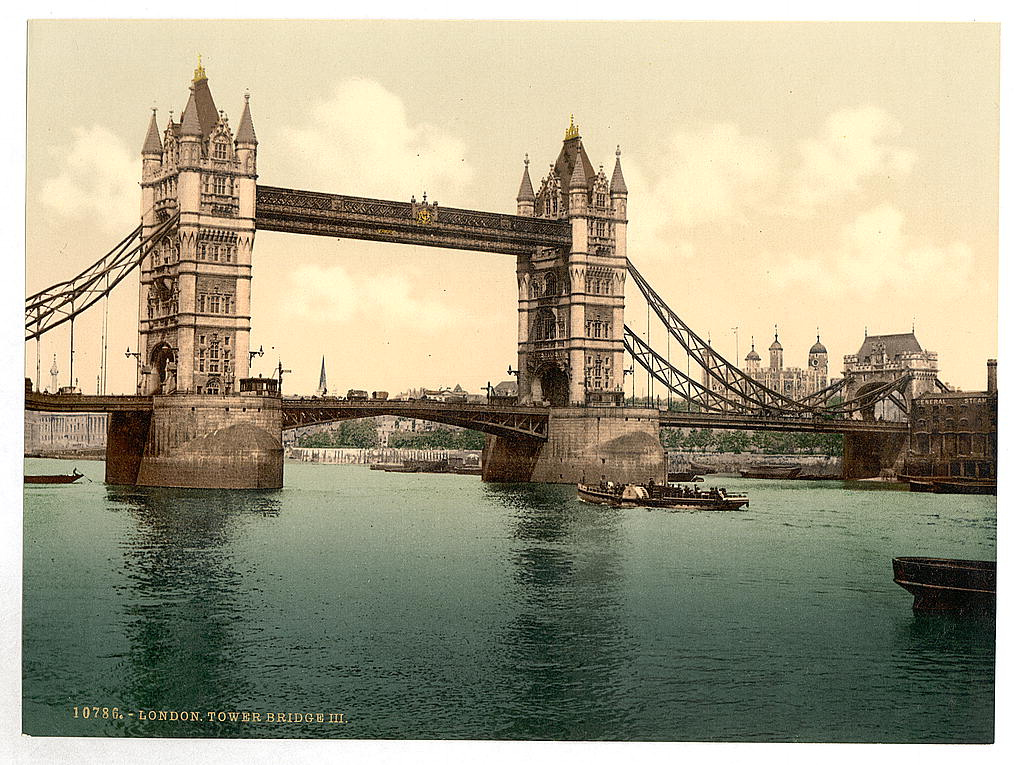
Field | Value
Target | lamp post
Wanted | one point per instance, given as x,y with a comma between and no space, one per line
281,372
255,353
128,353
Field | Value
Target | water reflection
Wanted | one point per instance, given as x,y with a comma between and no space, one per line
950,660
566,650
184,604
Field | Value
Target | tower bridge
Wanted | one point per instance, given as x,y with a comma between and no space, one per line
194,422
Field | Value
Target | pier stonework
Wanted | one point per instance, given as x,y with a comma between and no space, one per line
213,442
870,455
610,444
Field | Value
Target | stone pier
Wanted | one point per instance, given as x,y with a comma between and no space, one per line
613,444
868,455
198,441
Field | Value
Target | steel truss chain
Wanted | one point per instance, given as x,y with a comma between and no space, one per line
748,395
704,398
821,397
745,388
65,300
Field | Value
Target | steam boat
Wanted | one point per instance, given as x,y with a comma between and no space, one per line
660,495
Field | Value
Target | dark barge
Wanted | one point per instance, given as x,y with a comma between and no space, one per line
947,585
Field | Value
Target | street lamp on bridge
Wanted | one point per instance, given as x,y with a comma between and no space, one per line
255,353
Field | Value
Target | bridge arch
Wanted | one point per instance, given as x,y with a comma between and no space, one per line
505,421
554,384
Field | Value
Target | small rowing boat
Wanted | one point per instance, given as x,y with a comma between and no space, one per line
75,475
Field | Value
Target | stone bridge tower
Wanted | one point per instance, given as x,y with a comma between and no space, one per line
194,312
571,302
883,359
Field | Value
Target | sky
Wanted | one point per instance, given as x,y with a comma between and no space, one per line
822,177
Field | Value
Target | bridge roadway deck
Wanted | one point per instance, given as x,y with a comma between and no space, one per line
777,424
499,420
46,402
508,420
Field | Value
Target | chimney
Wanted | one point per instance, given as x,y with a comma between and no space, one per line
992,377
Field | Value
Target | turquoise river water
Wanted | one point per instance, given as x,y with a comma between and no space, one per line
437,606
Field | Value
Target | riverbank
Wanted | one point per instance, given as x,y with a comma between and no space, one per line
383,456
726,462
71,454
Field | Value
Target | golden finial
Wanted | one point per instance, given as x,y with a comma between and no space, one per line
200,73
573,131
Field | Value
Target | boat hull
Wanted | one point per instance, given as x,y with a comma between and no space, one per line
51,479
664,497
965,487
784,472
945,585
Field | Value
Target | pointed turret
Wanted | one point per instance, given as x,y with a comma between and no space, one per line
618,184
190,127
525,199
578,186
152,146
579,174
246,133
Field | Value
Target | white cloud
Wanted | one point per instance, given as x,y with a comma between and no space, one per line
331,295
715,174
852,148
875,256
99,180
364,136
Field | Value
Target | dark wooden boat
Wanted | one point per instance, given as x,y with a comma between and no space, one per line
660,495
75,475
954,486
921,485
771,471
702,469
947,585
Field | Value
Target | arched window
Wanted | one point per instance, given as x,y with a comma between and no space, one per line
546,327
550,284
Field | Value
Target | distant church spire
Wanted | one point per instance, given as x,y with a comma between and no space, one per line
322,389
